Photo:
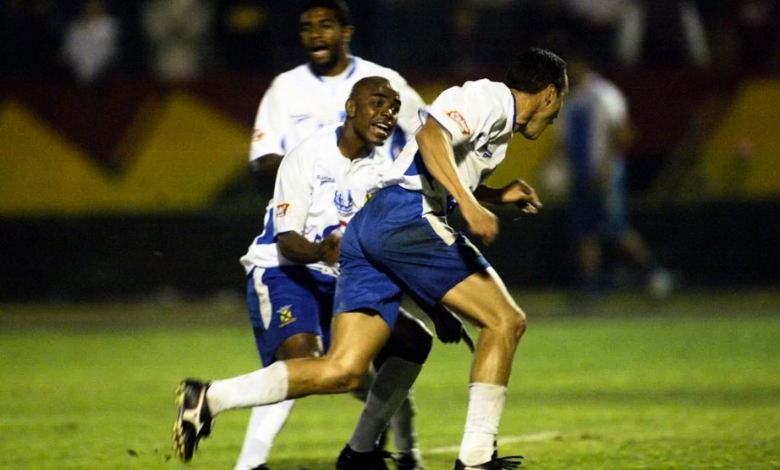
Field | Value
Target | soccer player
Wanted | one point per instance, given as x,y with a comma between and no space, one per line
297,104
400,241
595,133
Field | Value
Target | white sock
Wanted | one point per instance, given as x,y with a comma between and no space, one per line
265,422
390,388
262,387
486,404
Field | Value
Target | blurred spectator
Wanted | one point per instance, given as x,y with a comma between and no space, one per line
29,38
662,32
594,134
179,32
91,43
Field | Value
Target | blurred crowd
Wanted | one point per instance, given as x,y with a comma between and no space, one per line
91,40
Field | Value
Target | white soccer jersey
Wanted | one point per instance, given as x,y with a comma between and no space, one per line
318,191
480,117
299,102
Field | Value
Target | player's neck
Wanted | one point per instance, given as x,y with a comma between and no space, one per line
351,145
334,70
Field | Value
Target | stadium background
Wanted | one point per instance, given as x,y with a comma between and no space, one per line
138,186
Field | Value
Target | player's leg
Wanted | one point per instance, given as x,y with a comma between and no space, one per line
483,299
430,259
275,299
398,365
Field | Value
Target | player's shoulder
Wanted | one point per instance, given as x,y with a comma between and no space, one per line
294,77
483,92
317,143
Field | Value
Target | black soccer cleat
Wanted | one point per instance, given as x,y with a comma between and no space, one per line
495,463
350,460
262,466
193,420
408,461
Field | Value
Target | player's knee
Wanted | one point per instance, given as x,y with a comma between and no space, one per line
510,323
345,377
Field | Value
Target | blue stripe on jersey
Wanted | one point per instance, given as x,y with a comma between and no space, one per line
417,167
267,237
579,130
397,142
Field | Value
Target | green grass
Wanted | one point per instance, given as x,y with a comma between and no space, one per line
693,383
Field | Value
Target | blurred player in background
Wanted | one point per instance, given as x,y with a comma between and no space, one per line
292,270
297,104
594,136
400,242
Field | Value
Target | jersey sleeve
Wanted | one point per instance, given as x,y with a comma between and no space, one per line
466,112
271,125
292,193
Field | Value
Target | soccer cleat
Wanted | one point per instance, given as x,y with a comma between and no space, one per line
350,460
262,466
194,420
408,461
496,463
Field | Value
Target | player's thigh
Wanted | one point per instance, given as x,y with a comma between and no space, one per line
361,285
484,300
284,304
357,337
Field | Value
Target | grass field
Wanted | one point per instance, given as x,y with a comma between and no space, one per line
691,383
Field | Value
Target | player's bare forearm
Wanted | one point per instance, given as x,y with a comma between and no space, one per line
295,247
436,149
489,194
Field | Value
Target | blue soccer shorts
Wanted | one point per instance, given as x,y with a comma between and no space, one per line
389,247
286,301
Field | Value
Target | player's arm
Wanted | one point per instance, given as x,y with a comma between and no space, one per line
270,129
267,165
435,144
297,248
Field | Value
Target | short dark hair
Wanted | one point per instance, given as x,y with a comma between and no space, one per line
534,69
338,6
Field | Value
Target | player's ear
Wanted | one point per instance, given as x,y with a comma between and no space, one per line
550,93
350,108
346,33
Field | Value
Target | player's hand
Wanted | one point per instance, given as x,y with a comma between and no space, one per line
449,328
521,194
482,223
329,248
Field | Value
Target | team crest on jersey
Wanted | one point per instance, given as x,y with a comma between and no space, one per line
281,209
285,316
344,203
456,116
257,134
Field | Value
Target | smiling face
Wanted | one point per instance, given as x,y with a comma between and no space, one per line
325,40
550,102
372,110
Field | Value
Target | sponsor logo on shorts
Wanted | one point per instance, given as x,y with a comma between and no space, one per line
257,135
281,209
285,316
456,116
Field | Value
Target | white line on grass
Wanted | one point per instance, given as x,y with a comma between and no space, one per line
540,436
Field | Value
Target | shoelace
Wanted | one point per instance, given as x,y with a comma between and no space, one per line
510,462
